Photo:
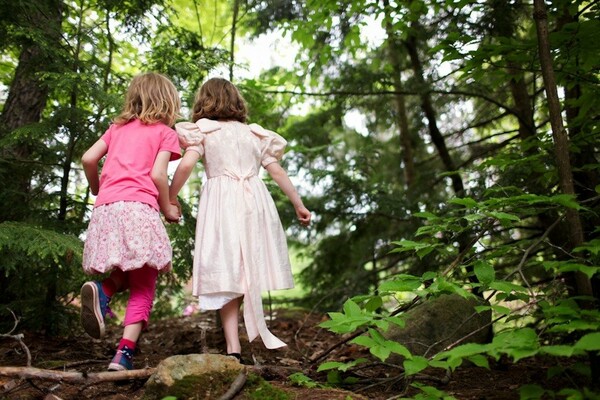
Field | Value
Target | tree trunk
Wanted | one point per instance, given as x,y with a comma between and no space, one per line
399,101
583,286
561,140
24,105
429,111
585,179
236,10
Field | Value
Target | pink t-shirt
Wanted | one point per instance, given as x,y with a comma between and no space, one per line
132,149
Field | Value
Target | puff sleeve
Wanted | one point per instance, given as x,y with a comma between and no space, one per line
190,137
272,145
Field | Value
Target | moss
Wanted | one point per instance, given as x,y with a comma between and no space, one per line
191,387
211,386
257,388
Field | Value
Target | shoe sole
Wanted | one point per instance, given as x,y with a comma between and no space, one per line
116,367
91,317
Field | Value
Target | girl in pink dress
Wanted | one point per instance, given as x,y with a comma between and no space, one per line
240,249
126,235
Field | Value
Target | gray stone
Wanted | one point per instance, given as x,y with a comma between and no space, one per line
192,376
438,322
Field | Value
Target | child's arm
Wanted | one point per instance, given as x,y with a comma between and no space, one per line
161,180
281,178
90,160
182,173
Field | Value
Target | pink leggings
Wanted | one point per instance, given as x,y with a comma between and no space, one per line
142,287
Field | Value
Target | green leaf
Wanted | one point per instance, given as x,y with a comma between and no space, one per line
352,309
567,200
426,215
569,266
590,342
415,365
531,392
374,303
299,379
484,272
330,365
503,217
381,352
363,340
466,201
399,321
592,246
501,309
479,360
464,350
340,366
399,349
558,350
420,248
430,393
508,287
401,283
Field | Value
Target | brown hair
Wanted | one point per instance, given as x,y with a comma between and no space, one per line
151,98
219,99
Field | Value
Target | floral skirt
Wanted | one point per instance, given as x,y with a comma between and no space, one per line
126,235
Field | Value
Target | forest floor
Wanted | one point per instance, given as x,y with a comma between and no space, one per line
198,333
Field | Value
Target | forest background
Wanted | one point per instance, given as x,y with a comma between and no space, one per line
443,146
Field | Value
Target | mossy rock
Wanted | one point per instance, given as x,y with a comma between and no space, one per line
193,376
439,322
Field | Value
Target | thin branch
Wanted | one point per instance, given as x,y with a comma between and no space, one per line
19,337
236,386
74,376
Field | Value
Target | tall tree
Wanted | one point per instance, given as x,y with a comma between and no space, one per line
37,30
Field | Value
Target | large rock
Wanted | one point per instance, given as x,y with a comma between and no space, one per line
439,322
192,376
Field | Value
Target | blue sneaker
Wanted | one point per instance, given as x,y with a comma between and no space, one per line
94,307
122,361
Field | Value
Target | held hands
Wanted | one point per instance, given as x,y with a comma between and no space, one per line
173,212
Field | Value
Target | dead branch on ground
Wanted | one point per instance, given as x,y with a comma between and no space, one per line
75,376
19,337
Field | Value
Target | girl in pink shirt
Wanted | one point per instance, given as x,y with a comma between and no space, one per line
126,235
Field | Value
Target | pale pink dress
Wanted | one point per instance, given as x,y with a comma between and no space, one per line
241,246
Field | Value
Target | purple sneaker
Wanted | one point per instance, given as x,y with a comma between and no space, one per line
122,361
94,307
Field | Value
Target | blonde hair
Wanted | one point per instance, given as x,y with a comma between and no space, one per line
219,99
151,98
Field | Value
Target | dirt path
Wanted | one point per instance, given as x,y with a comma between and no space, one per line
198,334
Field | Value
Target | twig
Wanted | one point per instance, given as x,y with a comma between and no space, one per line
320,356
463,253
236,386
16,322
519,268
74,376
529,250
19,337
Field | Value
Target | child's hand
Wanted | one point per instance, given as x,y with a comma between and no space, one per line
172,213
303,215
175,202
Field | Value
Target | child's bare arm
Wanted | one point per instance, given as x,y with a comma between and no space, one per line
282,179
161,180
90,160
182,173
